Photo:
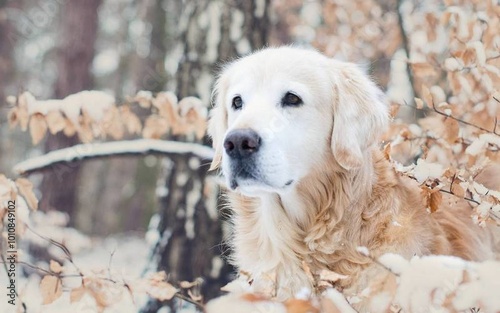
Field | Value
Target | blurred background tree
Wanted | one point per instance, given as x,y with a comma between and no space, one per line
54,48
123,46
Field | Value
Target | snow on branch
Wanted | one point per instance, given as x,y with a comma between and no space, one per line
108,149
92,114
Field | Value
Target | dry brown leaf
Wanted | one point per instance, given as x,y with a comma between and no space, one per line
300,306
55,121
200,128
158,288
50,288
330,276
8,192
188,284
427,97
38,127
162,291
55,267
419,103
131,121
20,116
166,103
468,56
387,151
77,294
69,128
432,22
112,123
457,190
422,69
144,98
26,190
451,128
433,198
394,109
155,127
85,133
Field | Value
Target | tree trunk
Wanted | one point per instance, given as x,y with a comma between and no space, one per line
8,39
6,46
191,223
79,24
118,174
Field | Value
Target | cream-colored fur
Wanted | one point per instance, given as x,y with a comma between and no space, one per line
344,193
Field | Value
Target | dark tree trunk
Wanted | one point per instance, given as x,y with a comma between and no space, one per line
191,223
148,73
79,21
7,64
7,42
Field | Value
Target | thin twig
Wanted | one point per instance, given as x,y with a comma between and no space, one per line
445,191
187,299
454,118
462,121
465,198
80,274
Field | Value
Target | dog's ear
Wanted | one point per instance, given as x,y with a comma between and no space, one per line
217,124
360,114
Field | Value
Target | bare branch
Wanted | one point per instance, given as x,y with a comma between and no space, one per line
445,191
463,122
455,118
111,149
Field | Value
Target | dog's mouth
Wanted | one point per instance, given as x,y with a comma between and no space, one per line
242,175
249,180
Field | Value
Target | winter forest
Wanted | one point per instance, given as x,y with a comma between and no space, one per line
106,201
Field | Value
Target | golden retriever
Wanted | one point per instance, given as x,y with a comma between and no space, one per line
295,134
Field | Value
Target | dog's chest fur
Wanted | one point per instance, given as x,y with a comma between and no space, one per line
272,245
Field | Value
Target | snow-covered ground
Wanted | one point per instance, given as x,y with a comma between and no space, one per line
126,256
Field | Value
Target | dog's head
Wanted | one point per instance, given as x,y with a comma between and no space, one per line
280,112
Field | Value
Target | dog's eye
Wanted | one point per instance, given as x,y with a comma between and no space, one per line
237,103
291,99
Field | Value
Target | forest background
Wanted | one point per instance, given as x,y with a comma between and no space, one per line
112,199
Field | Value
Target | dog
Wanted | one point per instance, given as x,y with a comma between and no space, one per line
295,136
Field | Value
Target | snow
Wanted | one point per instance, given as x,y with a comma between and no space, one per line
425,170
95,103
124,255
90,150
217,264
363,250
106,62
396,263
432,282
479,145
152,235
339,300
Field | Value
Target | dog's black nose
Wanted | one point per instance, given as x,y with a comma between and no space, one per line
242,143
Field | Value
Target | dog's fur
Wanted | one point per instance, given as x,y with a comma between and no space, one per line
343,193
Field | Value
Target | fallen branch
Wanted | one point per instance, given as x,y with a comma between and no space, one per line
111,149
